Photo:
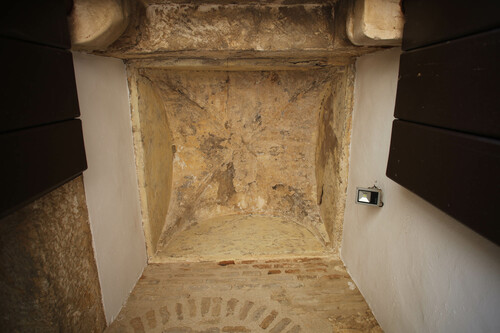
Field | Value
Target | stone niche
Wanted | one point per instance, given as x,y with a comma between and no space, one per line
241,114
219,142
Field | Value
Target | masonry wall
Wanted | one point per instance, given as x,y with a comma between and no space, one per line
419,269
48,274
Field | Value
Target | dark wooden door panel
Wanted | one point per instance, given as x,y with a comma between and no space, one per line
38,21
37,160
38,85
456,172
433,21
453,85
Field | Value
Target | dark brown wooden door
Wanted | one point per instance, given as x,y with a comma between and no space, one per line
445,147
41,142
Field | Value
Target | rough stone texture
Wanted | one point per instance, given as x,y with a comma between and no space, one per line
245,142
48,276
247,29
240,237
95,24
375,22
154,157
332,157
246,87
301,295
236,64
179,27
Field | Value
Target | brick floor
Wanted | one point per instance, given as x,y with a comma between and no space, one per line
311,295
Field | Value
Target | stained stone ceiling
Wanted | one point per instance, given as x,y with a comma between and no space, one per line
237,29
238,2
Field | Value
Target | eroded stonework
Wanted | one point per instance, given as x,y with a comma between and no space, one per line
243,142
219,29
254,98
240,237
179,27
48,276
154,158
332,158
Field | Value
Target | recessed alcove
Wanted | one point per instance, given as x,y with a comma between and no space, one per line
228,151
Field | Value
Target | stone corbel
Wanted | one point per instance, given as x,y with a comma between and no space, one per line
375,23
95,24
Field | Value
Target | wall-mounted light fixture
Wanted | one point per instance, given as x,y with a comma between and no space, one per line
369,196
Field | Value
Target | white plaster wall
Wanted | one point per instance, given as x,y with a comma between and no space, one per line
419,269
110,180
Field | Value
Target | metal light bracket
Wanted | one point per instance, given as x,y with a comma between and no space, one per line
371,196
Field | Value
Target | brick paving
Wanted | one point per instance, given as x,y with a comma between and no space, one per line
311,295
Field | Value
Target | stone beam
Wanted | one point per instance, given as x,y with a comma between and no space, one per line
247,29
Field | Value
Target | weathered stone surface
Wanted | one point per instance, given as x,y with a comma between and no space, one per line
246,90
239,64
240,237
95,24
332,157
154,158
180,27
244,143
309,295
241,142
48,276
376,22
228,29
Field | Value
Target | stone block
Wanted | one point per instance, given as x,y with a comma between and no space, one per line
48,274
375,23
95,24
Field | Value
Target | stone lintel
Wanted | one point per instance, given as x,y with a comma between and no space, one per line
248,29
240,64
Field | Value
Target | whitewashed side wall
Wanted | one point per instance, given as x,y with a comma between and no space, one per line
110,180
419,269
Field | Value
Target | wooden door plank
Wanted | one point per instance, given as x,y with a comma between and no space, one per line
453,85
37,87
42,22
458,173
37,160
430,21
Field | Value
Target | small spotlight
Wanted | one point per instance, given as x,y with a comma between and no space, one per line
369,196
